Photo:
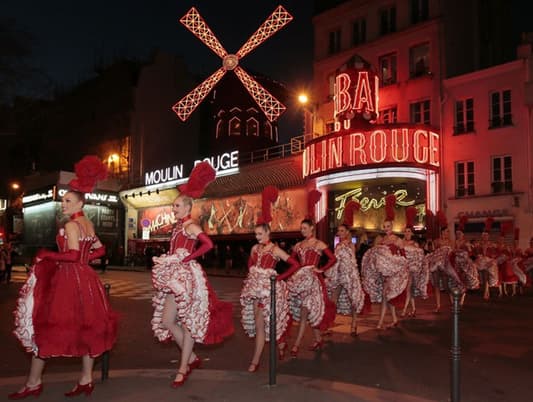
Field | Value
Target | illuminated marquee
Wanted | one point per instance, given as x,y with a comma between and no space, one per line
362,149
356,93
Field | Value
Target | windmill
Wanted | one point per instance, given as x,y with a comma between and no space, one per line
193,21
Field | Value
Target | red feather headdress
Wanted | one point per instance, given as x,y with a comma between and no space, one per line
351,208
312,198
441,219
390,203
410,215
488,223
89,170
462,222
268,197
202,174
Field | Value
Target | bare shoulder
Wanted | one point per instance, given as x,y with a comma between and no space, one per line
193,229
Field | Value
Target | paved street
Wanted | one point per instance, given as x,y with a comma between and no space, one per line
406,363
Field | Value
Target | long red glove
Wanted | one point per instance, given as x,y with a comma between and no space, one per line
97,253
294,265
205,245
331,259
69,256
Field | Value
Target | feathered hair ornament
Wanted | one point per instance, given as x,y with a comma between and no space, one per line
488,223
462,222
351,208
390,203
312,198
430,223
268,197
200,177
441,219
410,215
89,170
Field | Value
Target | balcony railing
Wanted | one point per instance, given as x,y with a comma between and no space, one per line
295,146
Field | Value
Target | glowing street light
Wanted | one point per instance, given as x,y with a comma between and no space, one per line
15,186
303,99
113,158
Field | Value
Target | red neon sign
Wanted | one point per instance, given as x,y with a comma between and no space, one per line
356,93
364,149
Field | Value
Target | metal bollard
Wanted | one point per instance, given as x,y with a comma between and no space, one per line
456,349
273,344
105,355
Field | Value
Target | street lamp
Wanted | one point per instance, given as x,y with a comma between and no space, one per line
309,115
15,186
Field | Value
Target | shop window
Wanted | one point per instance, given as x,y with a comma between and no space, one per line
500,109
464,179
387,69
502,174
234,126
464,116
334,44
389,115
419,61
420,112
387,20
419,10
359,32
252,127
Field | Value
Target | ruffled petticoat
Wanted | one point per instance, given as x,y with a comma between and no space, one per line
344,274
467,270
208,319
62,310
441,260
384,274
257,287
307,290
484,263
418,270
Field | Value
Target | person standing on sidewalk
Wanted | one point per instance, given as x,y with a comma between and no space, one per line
186,308
255,294
63,309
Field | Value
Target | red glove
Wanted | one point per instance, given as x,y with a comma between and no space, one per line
294,265
331,259
97,253
70,255
205,245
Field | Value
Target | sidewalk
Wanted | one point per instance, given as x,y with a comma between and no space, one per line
210,385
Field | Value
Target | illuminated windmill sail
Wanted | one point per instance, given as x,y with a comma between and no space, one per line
230,62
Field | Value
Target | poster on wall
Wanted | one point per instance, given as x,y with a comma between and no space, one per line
235,215
159,221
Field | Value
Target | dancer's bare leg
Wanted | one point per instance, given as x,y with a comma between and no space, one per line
169,322
301,329
436,289
259,337
382,311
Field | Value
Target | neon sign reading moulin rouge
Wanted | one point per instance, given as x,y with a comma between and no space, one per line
365,148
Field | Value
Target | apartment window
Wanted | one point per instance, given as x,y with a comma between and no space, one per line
359,32
464,116
502,174
389,115
500,109
419,60
235,126
387,69
331,86
419,11
387,20
334,45
420,112
464,179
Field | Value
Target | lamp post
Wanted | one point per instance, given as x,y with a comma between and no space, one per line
309,115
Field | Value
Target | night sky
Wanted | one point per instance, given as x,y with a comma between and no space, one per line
71,37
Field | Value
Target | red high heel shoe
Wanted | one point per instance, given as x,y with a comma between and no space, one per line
79,389
27,391
179,383
253,367
195,364
316,346
294,351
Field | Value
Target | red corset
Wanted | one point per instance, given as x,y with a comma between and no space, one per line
265,260
308,256
180,239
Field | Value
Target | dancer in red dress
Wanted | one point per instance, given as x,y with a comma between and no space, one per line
186,308
255,294
307,291
63,309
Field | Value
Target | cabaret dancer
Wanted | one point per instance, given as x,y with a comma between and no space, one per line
62,310
342,280
255,294
307,291
463,261
186,308
485,260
